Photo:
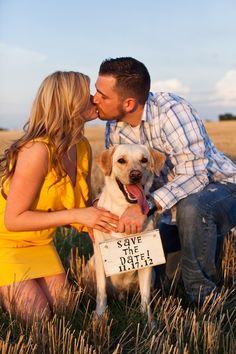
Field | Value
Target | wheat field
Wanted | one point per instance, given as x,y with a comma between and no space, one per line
222,133
177,328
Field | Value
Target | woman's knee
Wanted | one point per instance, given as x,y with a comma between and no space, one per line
55,288
25,300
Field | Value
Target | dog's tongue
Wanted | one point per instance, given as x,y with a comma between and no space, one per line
137,192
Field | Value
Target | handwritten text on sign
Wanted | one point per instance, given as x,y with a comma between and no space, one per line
132,252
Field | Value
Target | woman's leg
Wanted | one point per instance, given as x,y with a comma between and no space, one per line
25,300
55,288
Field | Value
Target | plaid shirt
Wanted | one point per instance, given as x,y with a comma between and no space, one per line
170,125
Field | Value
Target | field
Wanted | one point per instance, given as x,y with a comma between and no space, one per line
222,134
178,329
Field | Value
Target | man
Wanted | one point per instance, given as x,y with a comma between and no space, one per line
197,179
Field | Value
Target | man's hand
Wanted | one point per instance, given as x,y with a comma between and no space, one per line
132,220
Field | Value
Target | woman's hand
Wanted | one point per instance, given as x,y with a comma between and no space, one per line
98,218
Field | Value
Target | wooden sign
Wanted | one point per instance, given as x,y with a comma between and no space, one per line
132,252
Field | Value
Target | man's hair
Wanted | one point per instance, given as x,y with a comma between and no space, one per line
132,77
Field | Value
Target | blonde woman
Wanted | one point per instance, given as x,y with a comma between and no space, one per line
45,184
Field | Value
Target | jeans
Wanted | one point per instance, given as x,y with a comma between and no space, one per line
165,273
202,218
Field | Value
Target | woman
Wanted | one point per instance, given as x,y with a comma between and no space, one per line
45,184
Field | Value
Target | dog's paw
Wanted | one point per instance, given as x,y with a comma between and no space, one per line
100,328
100,321
100,314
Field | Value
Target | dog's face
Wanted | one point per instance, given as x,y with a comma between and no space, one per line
131,163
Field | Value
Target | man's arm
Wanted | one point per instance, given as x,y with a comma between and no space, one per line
184,138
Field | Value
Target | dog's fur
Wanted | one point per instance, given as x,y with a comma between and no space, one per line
128,164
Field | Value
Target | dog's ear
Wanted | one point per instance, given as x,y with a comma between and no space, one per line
104,160
157,161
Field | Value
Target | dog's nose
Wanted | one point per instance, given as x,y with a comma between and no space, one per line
135,176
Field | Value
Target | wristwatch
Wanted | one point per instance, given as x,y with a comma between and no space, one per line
151,204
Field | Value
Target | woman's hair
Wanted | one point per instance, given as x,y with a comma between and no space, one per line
56,114
132,77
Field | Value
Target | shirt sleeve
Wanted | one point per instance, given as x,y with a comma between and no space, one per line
182,134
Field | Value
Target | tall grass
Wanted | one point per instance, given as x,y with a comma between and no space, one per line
178,328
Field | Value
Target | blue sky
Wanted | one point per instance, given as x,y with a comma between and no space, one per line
189,48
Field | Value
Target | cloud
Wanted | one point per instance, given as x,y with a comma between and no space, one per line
225,90
222,94
12,54
171,85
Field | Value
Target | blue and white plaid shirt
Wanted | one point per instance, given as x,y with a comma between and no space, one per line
171,125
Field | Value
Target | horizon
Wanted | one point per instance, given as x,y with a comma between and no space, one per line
189,48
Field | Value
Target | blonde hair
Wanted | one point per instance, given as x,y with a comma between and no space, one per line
56,114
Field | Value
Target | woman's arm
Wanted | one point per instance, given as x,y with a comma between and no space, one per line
31,169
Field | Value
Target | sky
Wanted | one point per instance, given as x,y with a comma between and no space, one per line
189,48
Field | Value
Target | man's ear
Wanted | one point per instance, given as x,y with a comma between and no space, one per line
104,160
130,105
157,161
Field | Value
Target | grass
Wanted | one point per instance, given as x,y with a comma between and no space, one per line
178,328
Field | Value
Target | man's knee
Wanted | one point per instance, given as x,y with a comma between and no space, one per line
188,210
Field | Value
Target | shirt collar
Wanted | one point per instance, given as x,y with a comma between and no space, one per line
147,108
147,111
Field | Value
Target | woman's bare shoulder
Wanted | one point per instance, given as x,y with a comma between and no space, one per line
35,147
34,152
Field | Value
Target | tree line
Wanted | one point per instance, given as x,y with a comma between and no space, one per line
227,116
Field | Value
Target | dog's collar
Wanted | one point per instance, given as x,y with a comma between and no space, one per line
128,196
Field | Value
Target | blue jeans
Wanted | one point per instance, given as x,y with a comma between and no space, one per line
171,246
202,218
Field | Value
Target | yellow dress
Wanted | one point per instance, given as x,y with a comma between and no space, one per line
31,254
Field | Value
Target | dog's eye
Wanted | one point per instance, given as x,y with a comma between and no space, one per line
121,160
144,160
